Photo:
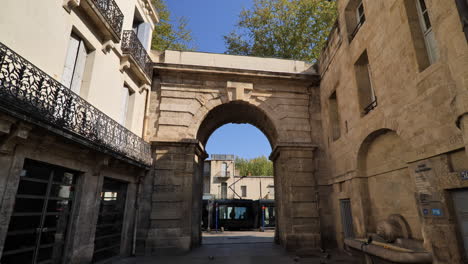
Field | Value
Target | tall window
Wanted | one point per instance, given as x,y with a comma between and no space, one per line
74,64
142,30
355,17
426,28
206,168
334,116
367,97
223,190
224,169
128,98
244,191
360,16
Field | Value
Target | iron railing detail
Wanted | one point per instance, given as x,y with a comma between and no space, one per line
112,13
371,106
29,93
132,46
358,26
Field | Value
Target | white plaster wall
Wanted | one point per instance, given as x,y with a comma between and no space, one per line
40,30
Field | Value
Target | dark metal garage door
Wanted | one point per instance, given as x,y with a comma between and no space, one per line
39,223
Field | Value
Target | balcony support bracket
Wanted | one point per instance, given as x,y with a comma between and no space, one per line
108,46
70,4
17,133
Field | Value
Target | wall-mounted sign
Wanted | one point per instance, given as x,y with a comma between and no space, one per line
464,175
436,212
425,211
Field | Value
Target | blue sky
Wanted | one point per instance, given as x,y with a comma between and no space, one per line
209,21
243,140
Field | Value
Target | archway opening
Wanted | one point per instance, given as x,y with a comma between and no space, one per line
238,180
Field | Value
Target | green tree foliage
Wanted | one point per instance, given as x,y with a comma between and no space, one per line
260,166
167,36
290,29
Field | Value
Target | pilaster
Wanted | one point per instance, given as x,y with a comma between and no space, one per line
176,197
298,226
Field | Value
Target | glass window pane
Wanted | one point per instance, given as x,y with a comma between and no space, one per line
32,188
64,177
23,205
19,242
58,206
36,170
422,3
23,223
24,257
427,21
61,191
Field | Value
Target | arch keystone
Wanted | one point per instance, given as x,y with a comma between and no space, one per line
240,89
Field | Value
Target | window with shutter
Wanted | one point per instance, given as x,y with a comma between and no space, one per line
124,106
75,63
426,27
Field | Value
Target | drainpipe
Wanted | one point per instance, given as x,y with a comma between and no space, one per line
137,216
146,114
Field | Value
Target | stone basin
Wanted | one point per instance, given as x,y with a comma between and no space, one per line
402,251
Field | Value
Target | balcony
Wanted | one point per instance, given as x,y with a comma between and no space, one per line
105,14
222,176
136,56
28,93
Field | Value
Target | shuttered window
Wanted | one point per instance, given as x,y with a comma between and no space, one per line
75,62
426,27
124,105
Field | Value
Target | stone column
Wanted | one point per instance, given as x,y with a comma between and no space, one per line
177,187
298,221
87,199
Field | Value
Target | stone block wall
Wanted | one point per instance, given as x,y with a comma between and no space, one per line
419,105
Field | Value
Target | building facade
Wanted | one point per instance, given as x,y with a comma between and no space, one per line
221,180
74,81
393,98
370,140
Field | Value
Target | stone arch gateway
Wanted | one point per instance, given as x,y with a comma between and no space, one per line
195,93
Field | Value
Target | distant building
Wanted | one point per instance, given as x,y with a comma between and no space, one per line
222,181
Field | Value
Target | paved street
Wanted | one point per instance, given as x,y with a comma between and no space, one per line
237,248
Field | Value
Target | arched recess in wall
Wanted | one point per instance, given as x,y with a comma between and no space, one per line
237,112
391,190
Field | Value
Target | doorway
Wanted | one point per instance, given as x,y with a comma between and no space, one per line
461,209
40,220
346,218
108,238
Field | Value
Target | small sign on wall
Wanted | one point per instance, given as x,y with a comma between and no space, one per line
436,212
464,175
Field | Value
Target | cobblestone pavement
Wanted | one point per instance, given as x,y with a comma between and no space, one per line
238,248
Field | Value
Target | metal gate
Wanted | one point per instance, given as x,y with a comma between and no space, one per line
39,223
110,220
346,218
460,199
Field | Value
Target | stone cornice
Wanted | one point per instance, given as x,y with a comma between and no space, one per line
291,146
315,78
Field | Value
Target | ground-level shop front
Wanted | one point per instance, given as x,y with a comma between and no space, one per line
64,203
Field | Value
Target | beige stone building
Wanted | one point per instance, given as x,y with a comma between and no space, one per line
372,139
394,82
221,180
74,85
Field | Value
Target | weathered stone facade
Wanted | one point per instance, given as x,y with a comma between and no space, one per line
404,156
38,144
196,93
379,125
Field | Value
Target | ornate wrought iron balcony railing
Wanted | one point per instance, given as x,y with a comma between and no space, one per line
132,46
111,12
28,93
